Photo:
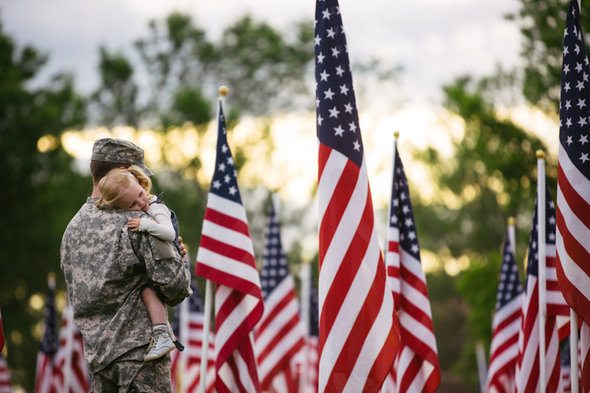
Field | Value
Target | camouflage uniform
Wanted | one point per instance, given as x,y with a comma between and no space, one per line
105,267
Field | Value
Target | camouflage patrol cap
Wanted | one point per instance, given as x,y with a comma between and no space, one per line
119,151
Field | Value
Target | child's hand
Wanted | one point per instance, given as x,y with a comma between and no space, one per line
133,224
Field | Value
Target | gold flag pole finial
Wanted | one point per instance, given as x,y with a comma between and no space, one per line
223,90
396,135
540,154
511,221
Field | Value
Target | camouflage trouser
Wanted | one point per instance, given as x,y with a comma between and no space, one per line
129,376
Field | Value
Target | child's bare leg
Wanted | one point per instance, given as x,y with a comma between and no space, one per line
156,309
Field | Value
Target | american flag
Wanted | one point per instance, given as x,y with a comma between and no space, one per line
573,181
226,257
44,374
186,365
416,368
279,335
527,370
358,337
5,384
70,368
505,325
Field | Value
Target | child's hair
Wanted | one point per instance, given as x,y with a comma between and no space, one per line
116,181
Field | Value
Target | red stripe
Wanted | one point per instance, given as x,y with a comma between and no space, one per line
337,205
363,323
223,220
227,250
278,337
410,373
393,247
577,204
348,266
271,315
228,280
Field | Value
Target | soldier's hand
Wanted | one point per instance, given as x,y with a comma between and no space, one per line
133,224
181,247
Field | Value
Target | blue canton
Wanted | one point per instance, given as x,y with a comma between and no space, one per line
509,284
533,257
337,117
402,214
574,113
274,265
224,183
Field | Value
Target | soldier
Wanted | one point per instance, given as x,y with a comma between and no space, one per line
106,265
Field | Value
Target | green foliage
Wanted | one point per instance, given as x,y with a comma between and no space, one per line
41,192
542,23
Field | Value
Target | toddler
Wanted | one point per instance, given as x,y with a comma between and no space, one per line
129,189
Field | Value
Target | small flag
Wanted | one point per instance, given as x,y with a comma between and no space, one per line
416,368
226,257
44,374
279,335
505,325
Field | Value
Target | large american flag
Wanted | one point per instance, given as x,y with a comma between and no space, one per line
505,325
186,365
70,367
5,384
279,335
44,374
358,337
573,181
226,257
527,370
416,367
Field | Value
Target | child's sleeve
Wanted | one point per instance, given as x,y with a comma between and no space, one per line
162,226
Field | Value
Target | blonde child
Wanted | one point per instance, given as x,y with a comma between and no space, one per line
129,189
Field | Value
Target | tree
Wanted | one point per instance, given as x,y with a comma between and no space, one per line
542,24
41,191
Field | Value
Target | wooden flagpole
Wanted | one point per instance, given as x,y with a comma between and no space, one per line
541,207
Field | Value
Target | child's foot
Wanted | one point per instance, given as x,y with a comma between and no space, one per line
160,345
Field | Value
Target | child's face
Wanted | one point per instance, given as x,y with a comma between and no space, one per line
134,198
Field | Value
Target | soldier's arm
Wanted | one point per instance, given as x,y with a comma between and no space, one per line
164,266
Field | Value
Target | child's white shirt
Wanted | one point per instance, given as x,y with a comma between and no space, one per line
161,227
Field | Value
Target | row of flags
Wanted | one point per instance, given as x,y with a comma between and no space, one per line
375,322
517,341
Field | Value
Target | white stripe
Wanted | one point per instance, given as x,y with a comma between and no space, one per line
227,207
413,265
282,318
243,372
278,352
227,236
373,344
227,265
330,177
507,310
508,332
576,227
510,354
350,308
576,178
343,235
417,329
574,274
277,295
237,316
417,298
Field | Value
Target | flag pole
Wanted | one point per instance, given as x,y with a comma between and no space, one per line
223,92
480,354
575,379
305,278
541,193
183,326
512,235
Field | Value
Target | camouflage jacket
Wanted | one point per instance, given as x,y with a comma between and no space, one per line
105,267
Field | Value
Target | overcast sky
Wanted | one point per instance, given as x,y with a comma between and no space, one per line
435,40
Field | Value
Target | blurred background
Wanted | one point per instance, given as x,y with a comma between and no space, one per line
473,87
